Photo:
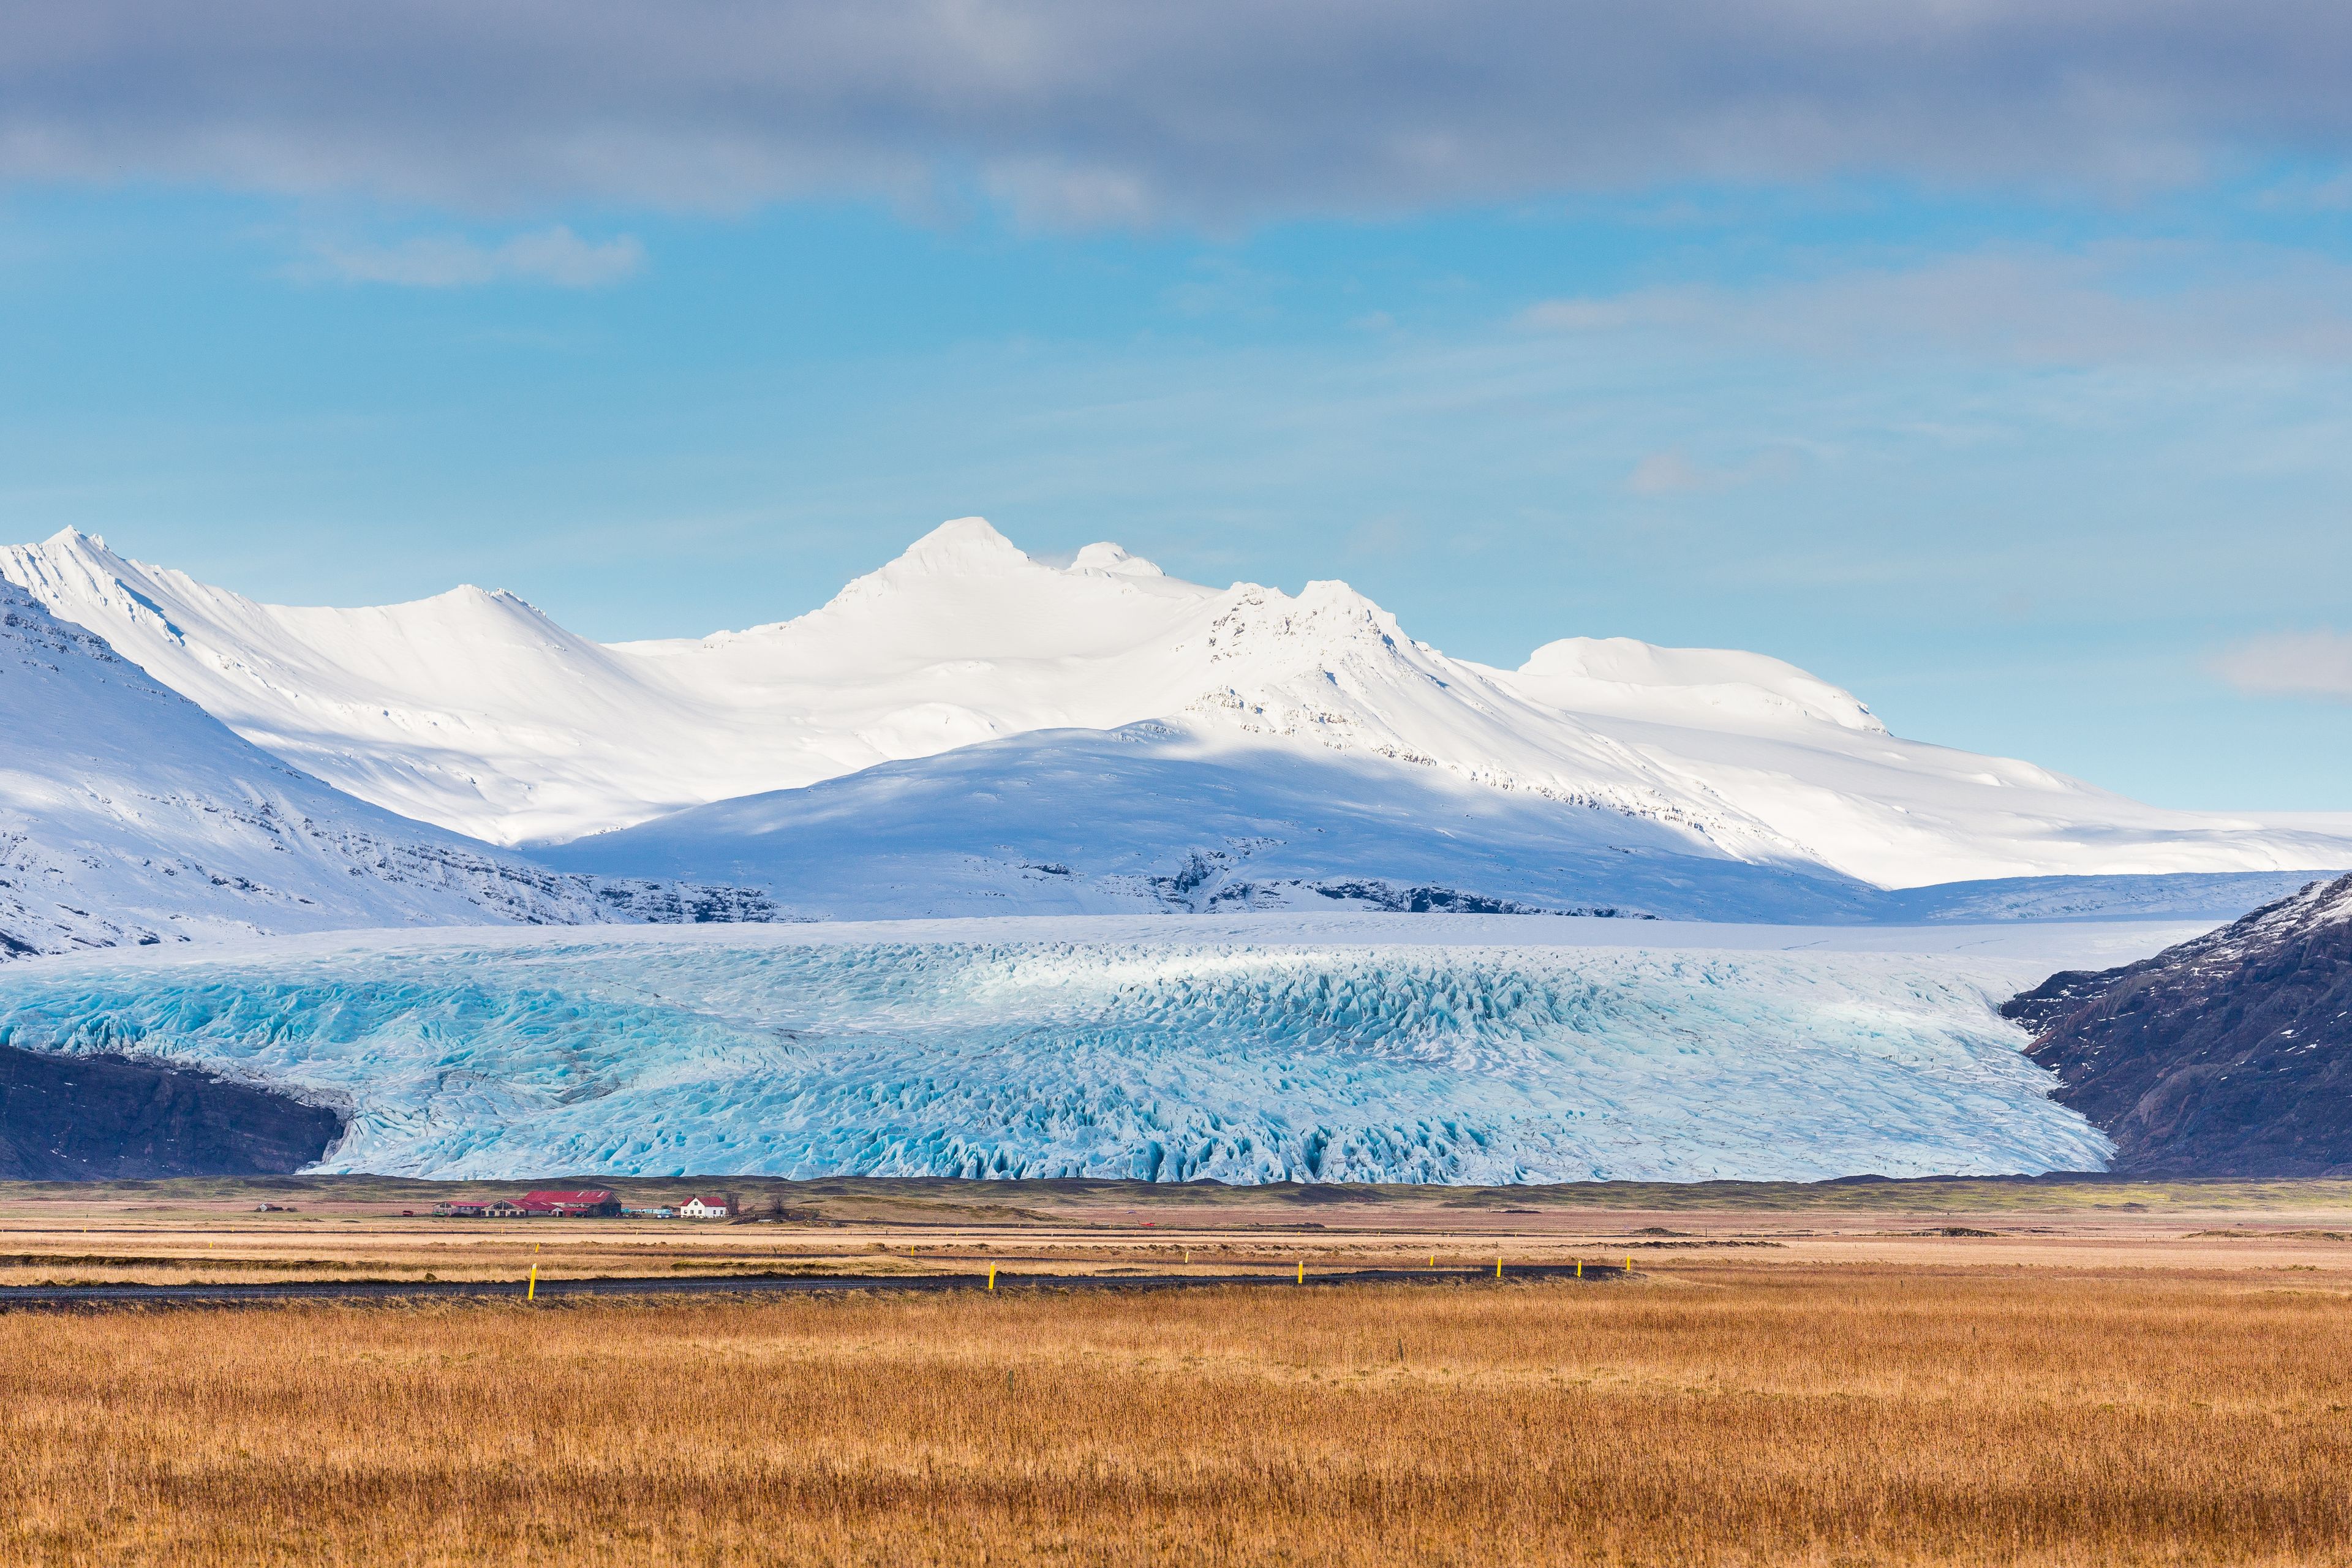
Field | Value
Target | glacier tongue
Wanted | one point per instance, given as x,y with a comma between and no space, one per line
1087,1048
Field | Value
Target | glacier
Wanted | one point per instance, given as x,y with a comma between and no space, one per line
1486,1049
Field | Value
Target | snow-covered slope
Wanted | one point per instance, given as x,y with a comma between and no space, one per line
130,816
1359,1048
473,711
1156,818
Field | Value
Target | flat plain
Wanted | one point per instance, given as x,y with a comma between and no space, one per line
2062,1372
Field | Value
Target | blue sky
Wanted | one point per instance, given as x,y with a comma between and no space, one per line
2022,410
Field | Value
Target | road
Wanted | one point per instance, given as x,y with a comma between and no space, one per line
18,1296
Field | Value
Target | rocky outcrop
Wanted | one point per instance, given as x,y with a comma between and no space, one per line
104,1118
2228,1054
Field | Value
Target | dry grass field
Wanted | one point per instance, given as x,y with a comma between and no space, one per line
2171,1384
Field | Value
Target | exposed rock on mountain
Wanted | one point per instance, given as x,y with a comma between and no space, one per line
2228,1054
101,1118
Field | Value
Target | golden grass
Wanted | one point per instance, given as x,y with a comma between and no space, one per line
1731,1414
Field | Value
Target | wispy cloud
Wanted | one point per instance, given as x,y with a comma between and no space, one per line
2290,664
1121,111
556,257
2111,303
1673,472
2309,194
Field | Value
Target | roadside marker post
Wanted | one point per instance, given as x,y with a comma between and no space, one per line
1498,1268
991,1276
530,1293
1302,1271
1579,1268
1629,1265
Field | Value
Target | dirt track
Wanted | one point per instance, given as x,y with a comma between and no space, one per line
16,1296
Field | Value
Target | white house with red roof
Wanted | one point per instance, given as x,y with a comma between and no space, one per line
710,1206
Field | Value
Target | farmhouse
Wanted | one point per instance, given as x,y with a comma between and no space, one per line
572,1203
712,1206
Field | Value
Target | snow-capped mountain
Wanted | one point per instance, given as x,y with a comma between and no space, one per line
130,816
475,710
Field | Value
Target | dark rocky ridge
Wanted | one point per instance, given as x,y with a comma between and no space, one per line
99,1118
2229,1055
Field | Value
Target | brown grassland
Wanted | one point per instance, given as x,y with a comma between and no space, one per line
2172,1385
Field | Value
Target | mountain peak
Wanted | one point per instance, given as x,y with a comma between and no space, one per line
1113,559
962,550
963,546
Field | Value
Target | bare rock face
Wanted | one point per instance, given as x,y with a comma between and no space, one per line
96,1118
2228,1055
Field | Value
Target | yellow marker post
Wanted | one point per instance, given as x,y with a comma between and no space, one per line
1629,1265
1498,1268
991,1276
532,1293
1579,1268
1302,1271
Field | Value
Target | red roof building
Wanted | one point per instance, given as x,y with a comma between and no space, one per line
573,1203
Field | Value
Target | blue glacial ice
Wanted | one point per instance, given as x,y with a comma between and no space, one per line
776,1051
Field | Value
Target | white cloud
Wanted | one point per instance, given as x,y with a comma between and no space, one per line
2290,664
555,256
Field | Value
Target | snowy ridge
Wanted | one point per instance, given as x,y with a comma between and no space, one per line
475,711
1165,1049
129,816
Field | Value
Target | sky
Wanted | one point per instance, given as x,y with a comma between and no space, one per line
1992,360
